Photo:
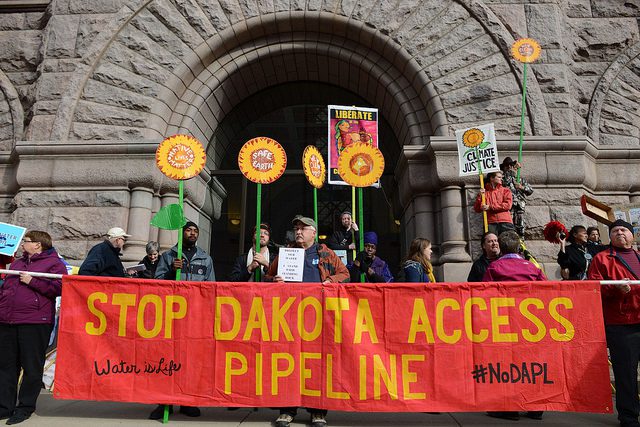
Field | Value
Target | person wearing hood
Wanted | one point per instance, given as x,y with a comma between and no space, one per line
497,204
373,267
195,266
27,312
104,258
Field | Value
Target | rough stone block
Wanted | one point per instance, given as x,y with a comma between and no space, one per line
102,6
39,128
544,23
72,250
513,17
561,121
89,27
86,222
614,9
497,87
52,86
61,38
551,77
140,43
578,8
600,39
19,50
90,112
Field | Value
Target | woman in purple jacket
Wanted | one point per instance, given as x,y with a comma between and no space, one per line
27,305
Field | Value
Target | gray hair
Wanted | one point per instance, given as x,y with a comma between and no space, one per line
152,247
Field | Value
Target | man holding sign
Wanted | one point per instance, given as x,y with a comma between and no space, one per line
319,264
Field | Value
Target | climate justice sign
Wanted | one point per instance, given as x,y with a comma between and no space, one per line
364,347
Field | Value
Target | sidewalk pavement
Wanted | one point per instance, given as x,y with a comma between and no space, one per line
68,413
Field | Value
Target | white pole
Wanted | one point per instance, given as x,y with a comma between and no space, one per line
620,282
34,274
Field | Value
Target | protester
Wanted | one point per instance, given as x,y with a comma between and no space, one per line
345,237
195,266
575,258
621,310
417,266
27,311
246,264
593,236
104,258
375,270
498,203
321,264
150,261
511,267
519,192
490,253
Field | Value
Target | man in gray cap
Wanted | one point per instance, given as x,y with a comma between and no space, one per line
196,266
321,264
104,258
621,310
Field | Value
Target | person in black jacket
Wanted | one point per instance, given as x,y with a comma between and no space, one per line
345,237
150,261
246,264
104,258
575,258
490,252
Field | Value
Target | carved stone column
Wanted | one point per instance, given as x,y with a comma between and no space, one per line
138,226
454,244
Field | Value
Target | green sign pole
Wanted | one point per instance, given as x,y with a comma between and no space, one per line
315,209
361,227
523,110
258,220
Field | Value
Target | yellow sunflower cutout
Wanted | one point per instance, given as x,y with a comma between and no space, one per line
262,160
360,164
180,157
526,50
313,166
472,138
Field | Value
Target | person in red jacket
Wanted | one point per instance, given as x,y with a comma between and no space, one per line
621,310
498,202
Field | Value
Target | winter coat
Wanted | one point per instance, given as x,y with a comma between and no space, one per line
103,260
33,303
239,273
329,265
512,268
414,272
499,200
199,269
617,308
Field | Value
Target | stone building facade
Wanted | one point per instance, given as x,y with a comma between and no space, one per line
89,88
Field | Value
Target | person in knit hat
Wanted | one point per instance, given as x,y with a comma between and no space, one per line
621,310
373,267
195,266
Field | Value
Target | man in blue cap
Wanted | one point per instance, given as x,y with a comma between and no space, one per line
374,268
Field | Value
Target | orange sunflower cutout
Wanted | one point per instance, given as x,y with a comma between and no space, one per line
472,138
262,160
313,166
361,164
180,157
526,50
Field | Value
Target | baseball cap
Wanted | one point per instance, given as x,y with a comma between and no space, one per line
117,232
305,220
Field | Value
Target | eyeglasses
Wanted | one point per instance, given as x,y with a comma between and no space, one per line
28,241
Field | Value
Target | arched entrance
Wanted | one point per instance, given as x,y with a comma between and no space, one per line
295,121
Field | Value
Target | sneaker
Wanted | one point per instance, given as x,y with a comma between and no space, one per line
158,413
190,411
18,417
317,420
505,415
535,415
283,420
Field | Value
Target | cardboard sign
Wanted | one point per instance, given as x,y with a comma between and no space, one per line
477,150
180,157
262,160
10,238
291,264
348,125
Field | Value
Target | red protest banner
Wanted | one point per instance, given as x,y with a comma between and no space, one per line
365,347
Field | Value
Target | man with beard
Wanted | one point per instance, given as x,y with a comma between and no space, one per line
246,264
195,266
621,310
322,265
373,267
490,253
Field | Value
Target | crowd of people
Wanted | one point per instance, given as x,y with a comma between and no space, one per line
25,327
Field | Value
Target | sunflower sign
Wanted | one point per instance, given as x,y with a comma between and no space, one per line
313,166
180,157
361,164
262,160
477,150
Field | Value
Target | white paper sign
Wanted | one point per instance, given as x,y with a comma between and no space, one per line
477,143
291,264
342,254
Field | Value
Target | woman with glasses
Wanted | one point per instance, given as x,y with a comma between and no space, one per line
27,310
574,259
